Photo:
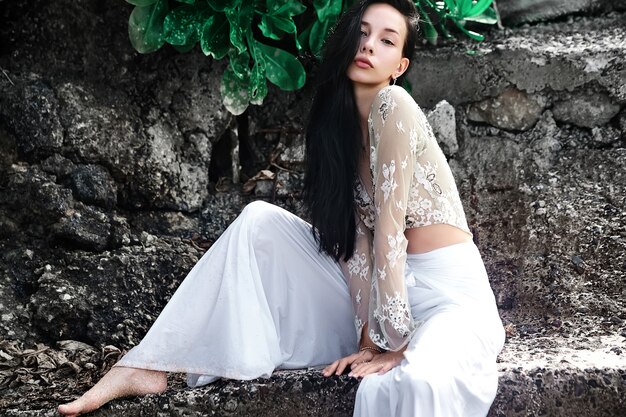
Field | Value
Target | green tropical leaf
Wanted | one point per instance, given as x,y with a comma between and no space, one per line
182,25
234,92
272,26
257,89
284,24
452,6
327,9
464,7
319,31
141,2
236,34
267,28
438,6
214,36
240,64
470,33
294,8
487,18
282,68
145,26
290,7
186,1
303,38
430,33
222,5
240,20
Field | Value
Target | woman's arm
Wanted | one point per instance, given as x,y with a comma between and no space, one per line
397,138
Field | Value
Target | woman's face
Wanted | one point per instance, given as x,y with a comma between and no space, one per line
379,57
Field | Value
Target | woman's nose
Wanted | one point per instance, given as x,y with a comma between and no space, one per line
367,45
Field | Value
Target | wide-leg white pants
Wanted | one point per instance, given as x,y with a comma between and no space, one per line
263,297
450,363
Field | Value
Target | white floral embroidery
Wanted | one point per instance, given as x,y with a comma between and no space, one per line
413,140
365,205
387,105
378,340
358,324
396,248
382,274
397,312
400,126
389,184
358,266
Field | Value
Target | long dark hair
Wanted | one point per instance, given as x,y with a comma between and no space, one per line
333,136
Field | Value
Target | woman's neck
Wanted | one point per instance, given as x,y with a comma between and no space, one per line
364,96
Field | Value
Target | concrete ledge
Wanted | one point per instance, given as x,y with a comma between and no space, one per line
544,376
557,376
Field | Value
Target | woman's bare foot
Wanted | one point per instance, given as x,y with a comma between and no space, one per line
118,382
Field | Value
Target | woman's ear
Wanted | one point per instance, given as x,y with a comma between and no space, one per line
402,67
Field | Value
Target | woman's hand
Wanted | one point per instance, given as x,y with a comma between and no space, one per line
356,359
380,363
364,363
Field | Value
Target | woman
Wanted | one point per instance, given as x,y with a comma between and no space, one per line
390,253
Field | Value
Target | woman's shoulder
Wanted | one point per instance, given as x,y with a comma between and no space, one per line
394,98
394,91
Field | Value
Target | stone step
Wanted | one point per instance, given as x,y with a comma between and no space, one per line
558,376
514,12
545,58
577,377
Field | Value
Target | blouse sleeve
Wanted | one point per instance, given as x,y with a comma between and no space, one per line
358,273
396,139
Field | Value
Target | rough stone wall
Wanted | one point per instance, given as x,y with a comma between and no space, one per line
101,148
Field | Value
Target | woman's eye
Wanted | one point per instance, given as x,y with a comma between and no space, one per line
363,33
387,41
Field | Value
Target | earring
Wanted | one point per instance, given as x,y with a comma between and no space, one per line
394,81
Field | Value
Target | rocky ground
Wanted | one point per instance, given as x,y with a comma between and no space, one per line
116,175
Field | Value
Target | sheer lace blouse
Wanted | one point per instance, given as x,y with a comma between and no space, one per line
412,187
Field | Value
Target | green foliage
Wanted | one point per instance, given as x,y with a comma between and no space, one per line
457,11
261,39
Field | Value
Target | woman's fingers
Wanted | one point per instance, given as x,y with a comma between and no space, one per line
328,371
379,364
340,365
334,368
364,369
364,363
387,367
363,357
337,367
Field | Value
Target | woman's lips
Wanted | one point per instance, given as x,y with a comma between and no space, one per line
363,63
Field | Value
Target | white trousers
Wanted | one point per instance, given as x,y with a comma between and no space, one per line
264,297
